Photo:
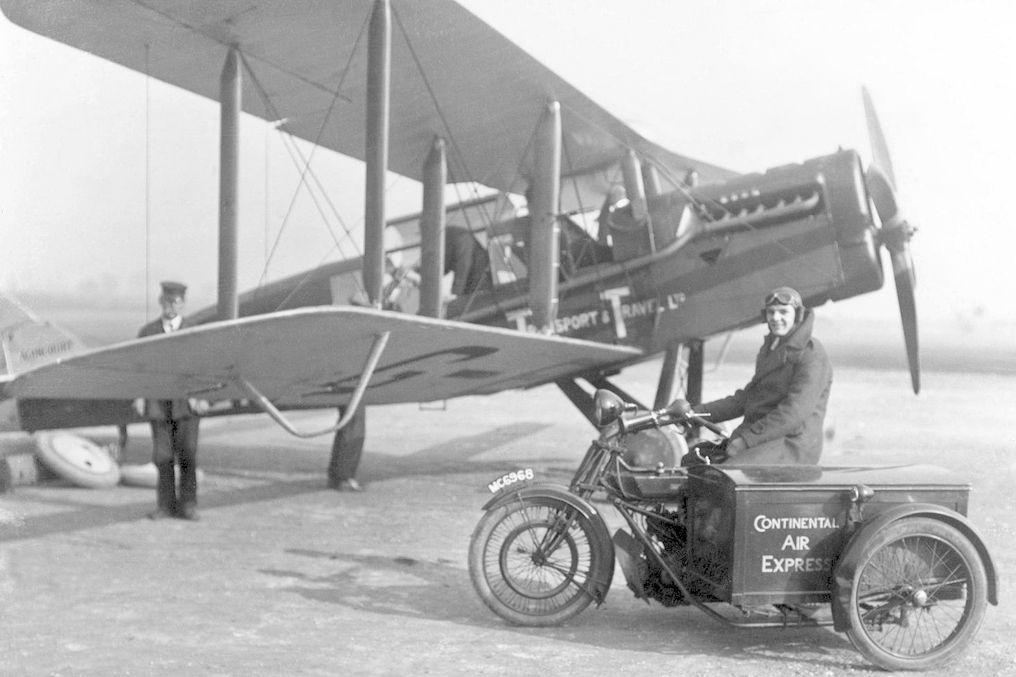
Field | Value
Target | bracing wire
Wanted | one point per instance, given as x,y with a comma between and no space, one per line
309,178
304,163
291,147
148,179
695,199
452,141
265,206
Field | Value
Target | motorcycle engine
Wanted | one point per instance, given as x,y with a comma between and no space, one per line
668,532
711,525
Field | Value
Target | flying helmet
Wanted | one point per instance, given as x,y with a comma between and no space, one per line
784,296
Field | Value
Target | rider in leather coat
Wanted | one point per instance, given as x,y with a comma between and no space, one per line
784,404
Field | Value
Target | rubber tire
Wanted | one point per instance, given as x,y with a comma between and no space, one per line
488,551
146,475
956,545
77,460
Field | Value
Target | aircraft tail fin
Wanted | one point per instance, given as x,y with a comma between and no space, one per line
27,341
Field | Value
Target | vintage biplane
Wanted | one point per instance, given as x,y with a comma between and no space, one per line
601,248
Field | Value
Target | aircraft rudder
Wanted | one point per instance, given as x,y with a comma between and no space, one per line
28,340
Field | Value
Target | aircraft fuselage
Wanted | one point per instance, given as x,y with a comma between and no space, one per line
807,225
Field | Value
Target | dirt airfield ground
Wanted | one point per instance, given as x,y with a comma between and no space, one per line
283,577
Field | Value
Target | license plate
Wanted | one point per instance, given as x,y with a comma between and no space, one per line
508,479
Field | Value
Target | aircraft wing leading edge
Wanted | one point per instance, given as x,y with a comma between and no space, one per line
310,59
313,357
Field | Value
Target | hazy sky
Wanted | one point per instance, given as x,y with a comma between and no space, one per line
744,84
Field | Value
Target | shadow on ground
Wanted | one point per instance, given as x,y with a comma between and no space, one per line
266,477
413,589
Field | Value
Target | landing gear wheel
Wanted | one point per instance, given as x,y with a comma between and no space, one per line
535,561
77,460
918,595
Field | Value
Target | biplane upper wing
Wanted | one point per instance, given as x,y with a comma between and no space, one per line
452,76
315,357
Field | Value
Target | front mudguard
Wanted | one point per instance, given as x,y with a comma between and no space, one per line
602,545
846,567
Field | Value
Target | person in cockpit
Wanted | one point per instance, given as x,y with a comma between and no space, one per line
466,258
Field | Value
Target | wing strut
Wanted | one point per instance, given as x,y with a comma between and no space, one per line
229,176
379,58
265,405
665,386
543,245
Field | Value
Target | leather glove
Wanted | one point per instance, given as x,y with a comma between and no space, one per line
735,446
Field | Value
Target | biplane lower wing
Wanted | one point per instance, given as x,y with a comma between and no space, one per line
315,357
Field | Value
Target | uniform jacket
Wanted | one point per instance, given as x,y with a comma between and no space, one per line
164,410
784,404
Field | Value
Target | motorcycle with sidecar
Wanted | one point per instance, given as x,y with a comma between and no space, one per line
885,555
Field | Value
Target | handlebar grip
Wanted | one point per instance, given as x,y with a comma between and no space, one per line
650,419
705,423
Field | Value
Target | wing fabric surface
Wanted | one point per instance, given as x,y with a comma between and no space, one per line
310,58
313,357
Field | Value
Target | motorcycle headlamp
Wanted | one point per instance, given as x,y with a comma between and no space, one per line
607,407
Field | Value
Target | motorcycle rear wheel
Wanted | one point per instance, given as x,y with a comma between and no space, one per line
535,562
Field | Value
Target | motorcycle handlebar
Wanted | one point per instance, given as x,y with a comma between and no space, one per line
661,417
650,419
705,423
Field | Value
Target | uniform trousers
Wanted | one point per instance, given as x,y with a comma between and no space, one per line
347,448
176,441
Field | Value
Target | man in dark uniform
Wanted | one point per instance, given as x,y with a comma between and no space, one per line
784,404
174,424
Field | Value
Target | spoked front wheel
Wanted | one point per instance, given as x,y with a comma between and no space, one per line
919,595
539,561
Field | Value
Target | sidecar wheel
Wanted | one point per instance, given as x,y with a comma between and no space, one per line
535,562
918,596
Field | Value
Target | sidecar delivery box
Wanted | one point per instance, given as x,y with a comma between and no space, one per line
772,534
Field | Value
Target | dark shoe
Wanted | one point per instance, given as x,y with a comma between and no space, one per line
188,512
348,484
160,514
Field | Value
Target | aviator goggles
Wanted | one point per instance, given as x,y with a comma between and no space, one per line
783,297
